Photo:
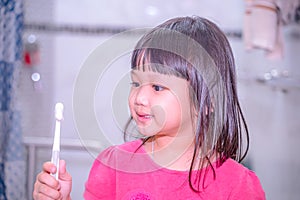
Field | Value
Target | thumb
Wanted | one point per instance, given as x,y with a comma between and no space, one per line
63,174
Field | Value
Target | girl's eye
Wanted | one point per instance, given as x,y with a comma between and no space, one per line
158,88
135,84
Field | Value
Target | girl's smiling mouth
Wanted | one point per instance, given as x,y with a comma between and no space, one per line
143,117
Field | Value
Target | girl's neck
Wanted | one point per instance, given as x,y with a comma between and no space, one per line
171,152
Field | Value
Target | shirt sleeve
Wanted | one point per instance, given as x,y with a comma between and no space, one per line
249,188
101,181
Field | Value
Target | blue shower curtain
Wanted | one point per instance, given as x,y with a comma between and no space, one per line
12,161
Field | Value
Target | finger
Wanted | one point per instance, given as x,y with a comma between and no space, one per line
47,179
63,174
49,167
43,191
42,197
39,196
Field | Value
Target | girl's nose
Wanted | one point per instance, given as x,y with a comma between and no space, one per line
142,96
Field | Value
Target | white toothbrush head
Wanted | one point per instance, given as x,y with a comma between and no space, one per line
59,108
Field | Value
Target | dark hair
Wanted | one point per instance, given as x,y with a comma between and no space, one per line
195,49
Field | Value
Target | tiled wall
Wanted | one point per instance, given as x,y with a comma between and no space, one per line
68,31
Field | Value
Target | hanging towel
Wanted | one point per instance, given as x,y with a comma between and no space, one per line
264,25
247,27
262,28
277,52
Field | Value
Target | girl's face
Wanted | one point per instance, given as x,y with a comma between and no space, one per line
160,104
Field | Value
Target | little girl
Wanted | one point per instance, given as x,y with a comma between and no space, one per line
184,102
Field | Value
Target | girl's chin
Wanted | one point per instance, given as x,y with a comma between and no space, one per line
148,132
147,128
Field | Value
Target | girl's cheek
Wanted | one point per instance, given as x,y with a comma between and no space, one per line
131,100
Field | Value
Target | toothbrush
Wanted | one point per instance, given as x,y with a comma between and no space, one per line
59,107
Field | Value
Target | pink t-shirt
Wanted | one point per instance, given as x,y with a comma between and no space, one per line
127,172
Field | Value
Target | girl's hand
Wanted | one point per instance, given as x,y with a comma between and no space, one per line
47,187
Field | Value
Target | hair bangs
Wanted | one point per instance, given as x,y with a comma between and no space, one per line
161,61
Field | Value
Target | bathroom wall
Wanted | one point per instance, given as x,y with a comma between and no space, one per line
68,32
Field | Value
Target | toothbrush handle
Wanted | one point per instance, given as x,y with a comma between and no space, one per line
55,161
